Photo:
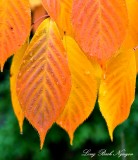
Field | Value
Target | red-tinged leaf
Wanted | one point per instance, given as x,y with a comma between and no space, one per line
61,13
16,62
84,88
43,84
15,21
131,39
99,27
117,89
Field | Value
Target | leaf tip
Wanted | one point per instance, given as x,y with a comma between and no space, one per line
71,141
71,136
111,134
1,67
42,139
21,127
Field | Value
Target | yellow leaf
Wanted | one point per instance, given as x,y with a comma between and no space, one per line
15,22
117,89
131,39
99,27
43,84
61,13
13,78
84,88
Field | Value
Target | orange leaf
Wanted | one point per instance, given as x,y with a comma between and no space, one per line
99,27
43,84
61,13
131,39
84,88
117,89
15,21
13,78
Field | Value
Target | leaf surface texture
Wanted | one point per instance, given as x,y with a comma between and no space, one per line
99,27
43,84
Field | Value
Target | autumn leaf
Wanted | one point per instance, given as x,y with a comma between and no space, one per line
16,62
15,21
84,88
131,39
117,89
43,84
61,13
99,27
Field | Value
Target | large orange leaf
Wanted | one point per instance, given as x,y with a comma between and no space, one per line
13,78
117,89
84,88
131,39
60,11
15,21
43,84
99,26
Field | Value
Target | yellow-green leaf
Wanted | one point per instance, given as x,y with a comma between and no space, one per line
16,62
117,89
15,22
84,88
43,84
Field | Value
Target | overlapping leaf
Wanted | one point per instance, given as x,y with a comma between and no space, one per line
15,20
84,88
13,78
43,84
60,11
99,26
117,89
131,39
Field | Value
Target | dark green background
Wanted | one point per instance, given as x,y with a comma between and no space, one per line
92,134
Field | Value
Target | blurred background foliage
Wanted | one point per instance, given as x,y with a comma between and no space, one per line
92,134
